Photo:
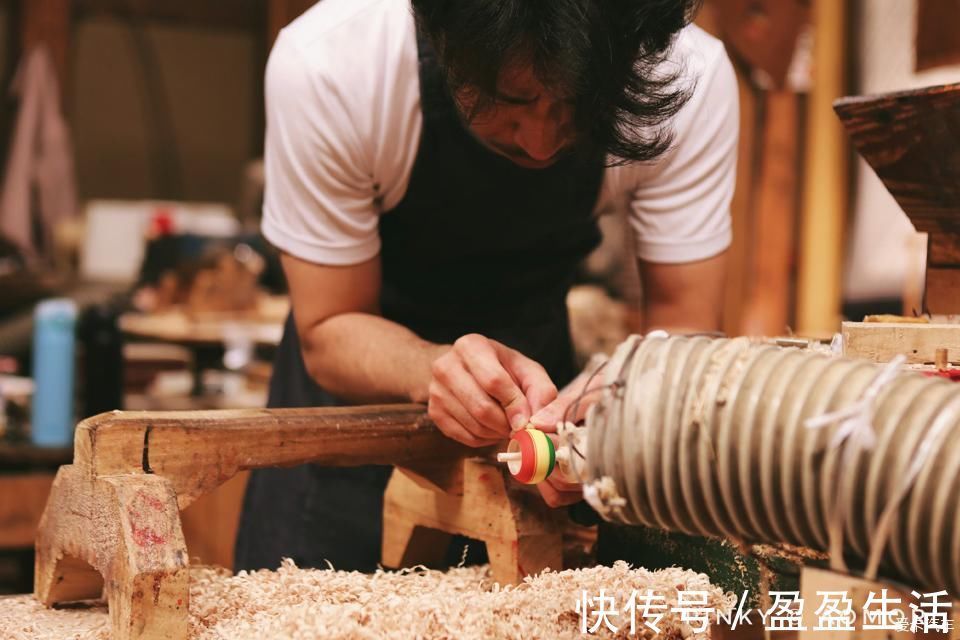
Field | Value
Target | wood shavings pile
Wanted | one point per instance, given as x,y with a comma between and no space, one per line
307,604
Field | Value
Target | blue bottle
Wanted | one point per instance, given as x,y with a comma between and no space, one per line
52,416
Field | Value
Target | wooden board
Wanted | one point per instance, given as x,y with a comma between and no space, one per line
112,522
911,139
221,443
522,534
815,582
882,341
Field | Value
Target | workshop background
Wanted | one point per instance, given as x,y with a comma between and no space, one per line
131,132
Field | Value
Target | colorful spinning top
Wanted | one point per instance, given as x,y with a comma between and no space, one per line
530,456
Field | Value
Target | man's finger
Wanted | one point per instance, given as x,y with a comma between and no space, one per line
455,406
481,361
530,375
452,428
547,418
574,398
556,498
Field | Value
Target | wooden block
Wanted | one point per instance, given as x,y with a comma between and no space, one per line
221,443
523,536
119,535
910,139
882,341
22,499
858,590
112,523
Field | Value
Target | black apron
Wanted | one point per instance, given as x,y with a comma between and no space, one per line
477,245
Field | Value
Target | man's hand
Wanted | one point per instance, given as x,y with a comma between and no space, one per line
572,403
481,389
557,493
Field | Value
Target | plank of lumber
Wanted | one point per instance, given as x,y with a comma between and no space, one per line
825,186
199,450
817,584
910,139
22,499
522,535
882,341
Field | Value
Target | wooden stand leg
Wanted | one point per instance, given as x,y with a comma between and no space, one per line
406,544
123,532
523,535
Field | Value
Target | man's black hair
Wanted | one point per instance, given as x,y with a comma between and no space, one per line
604,55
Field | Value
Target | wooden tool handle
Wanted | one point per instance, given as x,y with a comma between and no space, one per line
198,450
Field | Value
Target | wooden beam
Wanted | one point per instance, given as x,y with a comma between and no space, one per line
882,341
221,443
523,536
112,521
825,178
910,139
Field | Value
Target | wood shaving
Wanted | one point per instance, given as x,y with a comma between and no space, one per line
309,604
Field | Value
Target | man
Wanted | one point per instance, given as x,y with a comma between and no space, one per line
433,177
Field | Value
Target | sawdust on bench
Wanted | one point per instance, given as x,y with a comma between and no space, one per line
308,604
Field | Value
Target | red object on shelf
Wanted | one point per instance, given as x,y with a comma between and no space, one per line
161,224
950,374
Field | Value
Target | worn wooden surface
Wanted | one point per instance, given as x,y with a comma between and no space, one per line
523,536
825,187
882,341
814,583
911,139
119,535
112,522
199,450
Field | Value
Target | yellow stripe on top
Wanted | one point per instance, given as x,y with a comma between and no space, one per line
542,446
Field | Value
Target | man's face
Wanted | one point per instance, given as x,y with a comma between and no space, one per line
526,124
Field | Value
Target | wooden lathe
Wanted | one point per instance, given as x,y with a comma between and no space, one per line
112,524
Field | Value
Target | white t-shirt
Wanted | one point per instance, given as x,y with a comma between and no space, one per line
344,123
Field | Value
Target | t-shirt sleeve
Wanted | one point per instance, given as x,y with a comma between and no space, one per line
680,210
318,199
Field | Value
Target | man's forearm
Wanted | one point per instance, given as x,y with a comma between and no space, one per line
679,317
365,358
684,297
